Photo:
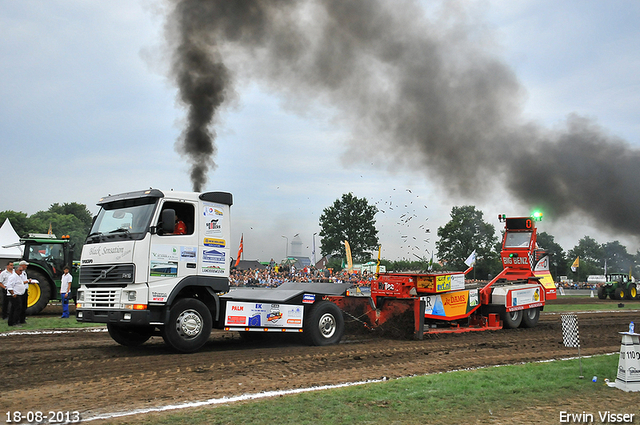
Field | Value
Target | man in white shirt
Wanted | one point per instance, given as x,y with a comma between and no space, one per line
65,291
25,297
4,279
16,290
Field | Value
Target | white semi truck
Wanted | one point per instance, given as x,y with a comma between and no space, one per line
157,263
143,275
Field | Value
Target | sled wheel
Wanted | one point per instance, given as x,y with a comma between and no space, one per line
512,319
530,317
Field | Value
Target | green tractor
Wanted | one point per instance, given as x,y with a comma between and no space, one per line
619,286
47,257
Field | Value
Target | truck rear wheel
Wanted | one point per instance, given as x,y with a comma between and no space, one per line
530,317
39,293
129,336
189,325
324,324
512,319
602,294
618,293
631,292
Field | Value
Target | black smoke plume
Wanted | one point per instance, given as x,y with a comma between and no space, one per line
423,91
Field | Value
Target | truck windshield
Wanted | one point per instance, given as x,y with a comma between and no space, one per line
128,219
517,239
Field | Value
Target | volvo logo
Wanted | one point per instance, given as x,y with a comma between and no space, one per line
103,274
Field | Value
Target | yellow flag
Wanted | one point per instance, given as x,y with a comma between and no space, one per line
575,264
349,259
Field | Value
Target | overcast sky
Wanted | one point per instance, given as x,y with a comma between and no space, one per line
87,109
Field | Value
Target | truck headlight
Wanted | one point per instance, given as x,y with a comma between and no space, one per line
80,295
131,296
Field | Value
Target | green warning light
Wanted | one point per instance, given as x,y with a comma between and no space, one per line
537,216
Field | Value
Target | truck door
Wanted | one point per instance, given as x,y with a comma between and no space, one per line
174,255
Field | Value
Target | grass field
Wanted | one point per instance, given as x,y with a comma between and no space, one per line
553,308
46,322
529,393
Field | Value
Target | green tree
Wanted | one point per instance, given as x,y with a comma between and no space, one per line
19,221
80,211
616,257
464,233
351,219
591,256
556,254
71,219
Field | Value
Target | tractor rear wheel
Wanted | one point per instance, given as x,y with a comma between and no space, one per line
129,336
39,293
512,319
602,294
618,293
631,292
530,317
189,325
324,325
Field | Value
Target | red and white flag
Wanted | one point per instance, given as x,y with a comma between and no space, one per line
240,250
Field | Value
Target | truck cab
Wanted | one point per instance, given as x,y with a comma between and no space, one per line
140,270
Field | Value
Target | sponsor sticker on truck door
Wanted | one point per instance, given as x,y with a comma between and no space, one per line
214,261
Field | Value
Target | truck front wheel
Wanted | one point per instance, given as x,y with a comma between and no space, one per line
129,336
602,294
512,319
189,325
324,324
618,293
39,293
530,317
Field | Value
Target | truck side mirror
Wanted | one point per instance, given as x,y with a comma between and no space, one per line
168,220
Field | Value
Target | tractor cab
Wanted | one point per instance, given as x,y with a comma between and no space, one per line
619,278
522,258
519,243
50,254
47,256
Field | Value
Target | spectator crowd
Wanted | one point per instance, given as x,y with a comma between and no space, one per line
275,275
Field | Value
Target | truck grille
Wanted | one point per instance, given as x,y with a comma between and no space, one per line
100,299
107,275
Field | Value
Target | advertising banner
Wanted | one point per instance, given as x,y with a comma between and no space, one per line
451,304
264,315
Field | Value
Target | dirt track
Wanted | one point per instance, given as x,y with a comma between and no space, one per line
87,371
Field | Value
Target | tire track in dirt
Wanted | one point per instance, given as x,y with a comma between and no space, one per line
91,373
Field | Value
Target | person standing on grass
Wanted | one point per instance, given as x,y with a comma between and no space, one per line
25,297
17,289
65,292
4,280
